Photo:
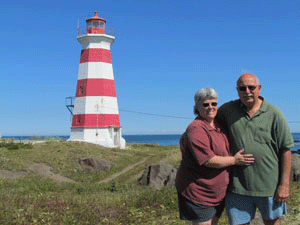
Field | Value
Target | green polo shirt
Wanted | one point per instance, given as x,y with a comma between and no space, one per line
265,135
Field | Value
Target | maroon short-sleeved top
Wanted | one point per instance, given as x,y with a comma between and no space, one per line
196,182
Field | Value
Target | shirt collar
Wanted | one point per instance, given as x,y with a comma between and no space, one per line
207,125
263,107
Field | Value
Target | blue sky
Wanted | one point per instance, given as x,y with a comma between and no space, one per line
163,53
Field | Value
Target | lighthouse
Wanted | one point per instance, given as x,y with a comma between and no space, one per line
96,114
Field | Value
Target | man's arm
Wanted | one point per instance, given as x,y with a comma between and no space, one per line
283,188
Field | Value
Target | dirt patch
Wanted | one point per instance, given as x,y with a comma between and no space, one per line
6,174
45,171
122,172
40,168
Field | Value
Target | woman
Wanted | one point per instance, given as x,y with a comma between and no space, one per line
203,177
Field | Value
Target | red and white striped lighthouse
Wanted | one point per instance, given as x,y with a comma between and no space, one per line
96,115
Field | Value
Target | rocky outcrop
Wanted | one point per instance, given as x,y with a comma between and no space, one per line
95,164
158,176
295,173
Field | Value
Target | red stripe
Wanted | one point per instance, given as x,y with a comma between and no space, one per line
95,55
90,121
96,87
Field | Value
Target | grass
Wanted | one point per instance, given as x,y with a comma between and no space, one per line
40,200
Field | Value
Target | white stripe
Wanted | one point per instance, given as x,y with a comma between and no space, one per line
96,41
95,70
96,105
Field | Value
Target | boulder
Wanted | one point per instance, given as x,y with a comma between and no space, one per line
96,164
158,176
295,173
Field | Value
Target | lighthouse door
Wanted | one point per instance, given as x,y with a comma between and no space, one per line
116,136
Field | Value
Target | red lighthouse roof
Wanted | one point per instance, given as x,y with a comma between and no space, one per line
95,25
96,17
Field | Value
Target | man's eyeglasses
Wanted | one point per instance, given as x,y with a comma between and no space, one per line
207,104
250,87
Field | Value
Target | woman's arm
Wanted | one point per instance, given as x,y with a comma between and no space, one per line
225,161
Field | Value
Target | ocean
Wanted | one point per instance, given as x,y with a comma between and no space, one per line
296,137
173,139
162,139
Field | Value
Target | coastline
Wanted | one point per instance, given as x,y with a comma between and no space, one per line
157,139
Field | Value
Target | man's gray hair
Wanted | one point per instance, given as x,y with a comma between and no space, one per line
203,94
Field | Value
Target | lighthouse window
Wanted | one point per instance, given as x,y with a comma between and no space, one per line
101,25
78,118
95,24
88,24
81,90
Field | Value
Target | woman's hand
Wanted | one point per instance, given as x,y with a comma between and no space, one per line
246,159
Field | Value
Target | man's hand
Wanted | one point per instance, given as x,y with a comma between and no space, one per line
282,193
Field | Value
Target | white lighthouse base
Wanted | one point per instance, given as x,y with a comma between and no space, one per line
106,137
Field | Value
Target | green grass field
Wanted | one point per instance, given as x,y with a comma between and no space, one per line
37,199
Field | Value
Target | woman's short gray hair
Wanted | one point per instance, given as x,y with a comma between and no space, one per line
203,94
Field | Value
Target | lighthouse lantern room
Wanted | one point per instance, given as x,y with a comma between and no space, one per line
96,114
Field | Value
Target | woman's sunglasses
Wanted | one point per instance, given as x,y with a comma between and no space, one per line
250,87
207,104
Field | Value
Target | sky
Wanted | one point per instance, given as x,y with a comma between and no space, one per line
164,51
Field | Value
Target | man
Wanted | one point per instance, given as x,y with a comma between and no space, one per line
258,127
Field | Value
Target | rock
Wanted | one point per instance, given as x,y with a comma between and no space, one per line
96,164
158,176
295,173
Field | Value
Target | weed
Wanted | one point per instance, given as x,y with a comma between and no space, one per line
113,187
